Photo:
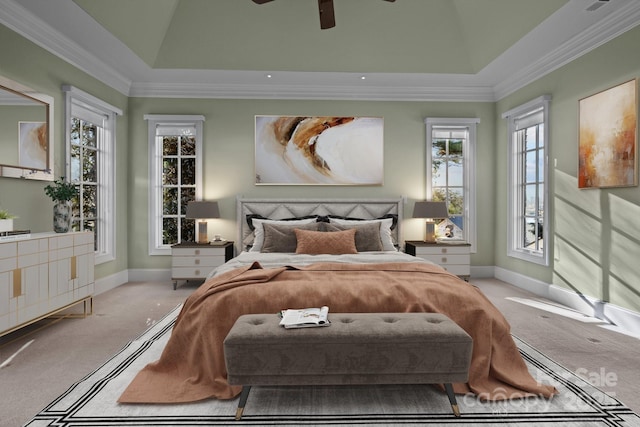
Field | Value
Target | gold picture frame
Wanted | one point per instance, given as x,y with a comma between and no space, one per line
608,138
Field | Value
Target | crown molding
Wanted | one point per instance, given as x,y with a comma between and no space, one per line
312,92
508,73
23,22
602,31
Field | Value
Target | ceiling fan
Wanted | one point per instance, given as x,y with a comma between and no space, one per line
325,7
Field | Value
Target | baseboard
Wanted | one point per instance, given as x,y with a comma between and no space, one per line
625,319
132,275
107,283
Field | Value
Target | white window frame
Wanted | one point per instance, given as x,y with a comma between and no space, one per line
469,165
82,102
156,247
515,201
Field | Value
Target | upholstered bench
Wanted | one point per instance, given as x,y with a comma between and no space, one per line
357,348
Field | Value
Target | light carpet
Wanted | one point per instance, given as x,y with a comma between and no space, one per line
93,400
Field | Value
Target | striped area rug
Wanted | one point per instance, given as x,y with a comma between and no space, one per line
92,400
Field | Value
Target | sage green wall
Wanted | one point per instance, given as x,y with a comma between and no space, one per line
596,234
28,64
595,239
229,160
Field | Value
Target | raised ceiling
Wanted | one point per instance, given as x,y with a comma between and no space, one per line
408,49
408,36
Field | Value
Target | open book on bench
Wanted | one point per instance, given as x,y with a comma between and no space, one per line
305,317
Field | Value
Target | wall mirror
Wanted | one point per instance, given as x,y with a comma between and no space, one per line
26,128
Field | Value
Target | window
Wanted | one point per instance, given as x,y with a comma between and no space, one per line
90,129
528,218
450,174
175,155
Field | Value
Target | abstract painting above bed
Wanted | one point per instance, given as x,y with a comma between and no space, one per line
295,150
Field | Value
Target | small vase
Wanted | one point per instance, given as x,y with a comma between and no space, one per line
62,216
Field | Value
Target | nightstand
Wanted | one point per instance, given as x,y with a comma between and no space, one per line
453,257
191,260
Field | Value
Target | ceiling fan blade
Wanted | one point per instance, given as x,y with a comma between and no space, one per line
327,17
325,9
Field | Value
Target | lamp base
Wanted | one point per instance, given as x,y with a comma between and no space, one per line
202,232
430,232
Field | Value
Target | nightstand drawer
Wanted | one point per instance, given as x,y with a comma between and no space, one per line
453,257
445,259
197,261
442,250
191,252
190,272
458,270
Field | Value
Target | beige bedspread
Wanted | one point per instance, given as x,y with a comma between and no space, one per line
192,366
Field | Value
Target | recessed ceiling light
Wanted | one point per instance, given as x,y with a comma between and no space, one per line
268,76
363,77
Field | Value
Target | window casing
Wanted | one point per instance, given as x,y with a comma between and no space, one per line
90,129
528,218
451,162
175,176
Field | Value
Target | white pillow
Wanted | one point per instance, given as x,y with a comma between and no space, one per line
258,229
385,229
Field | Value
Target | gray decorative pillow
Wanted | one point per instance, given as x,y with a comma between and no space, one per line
282,238
367,235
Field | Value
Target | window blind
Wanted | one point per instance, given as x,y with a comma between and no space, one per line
88,114
532,118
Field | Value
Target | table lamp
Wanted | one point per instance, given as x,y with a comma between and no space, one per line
202,210
431,211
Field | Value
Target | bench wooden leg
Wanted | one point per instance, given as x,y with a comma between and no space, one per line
243,401
452,399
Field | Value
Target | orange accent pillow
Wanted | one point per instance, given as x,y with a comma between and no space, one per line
319,242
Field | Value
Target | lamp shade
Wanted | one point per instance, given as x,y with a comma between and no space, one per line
202,210
430,210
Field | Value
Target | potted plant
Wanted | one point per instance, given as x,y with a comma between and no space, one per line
62,193
6,220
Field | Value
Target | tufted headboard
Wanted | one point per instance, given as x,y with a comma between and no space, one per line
290,208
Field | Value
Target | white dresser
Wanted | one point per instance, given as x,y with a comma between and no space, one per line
196,260
453,257
44,274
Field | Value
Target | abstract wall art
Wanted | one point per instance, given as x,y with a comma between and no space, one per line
608,138
307,150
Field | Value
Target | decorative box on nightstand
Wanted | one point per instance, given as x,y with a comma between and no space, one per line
453,257
196,260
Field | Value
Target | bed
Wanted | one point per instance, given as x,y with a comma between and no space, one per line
307,253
